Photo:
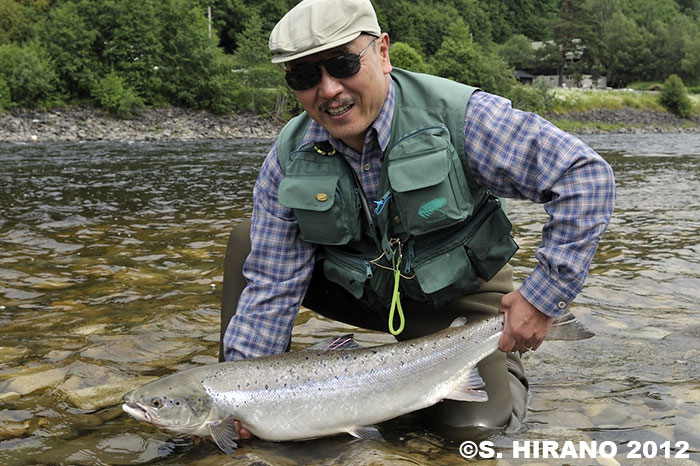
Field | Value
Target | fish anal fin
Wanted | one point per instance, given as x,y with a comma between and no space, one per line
468,388
366,432
224,434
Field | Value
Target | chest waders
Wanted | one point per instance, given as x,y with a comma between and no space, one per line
438,235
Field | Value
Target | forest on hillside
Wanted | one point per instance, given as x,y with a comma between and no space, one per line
212,54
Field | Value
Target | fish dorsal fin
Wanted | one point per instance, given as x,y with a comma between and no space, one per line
334,343
468,388
366,432
459,322
224,434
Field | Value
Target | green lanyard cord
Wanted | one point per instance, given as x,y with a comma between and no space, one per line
396,299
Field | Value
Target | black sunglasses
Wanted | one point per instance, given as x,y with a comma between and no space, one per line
307,75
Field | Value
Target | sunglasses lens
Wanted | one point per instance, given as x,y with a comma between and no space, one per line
343,66
303,77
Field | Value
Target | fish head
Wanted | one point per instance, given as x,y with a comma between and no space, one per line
171,403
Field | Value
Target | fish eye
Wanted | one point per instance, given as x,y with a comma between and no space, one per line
156,402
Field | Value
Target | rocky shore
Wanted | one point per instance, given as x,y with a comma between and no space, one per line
176,124
631,120
163,124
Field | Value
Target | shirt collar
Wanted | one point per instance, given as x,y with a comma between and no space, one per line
381,127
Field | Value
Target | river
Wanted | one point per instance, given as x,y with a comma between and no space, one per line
110,275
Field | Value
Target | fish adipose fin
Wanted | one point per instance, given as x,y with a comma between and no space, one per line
224,434
468,389
334,343
367,432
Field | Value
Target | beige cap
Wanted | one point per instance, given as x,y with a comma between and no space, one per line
313,26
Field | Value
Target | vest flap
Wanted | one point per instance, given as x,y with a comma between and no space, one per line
315,193
429,169
443,270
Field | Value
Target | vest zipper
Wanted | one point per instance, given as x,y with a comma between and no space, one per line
411,256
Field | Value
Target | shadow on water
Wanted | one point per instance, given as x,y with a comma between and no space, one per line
110,276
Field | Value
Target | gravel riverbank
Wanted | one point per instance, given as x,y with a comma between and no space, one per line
163,124
176,124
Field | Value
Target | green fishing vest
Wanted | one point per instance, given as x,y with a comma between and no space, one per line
434,223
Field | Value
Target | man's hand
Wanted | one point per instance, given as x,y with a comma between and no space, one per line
525,327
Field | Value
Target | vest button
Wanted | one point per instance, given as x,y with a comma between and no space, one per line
322,197
397,220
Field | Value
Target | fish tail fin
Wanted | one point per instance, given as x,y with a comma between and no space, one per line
567,327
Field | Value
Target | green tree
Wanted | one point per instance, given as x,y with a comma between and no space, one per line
70,38
576,39
406,57
460,59
674,97
627,53
690,64
263,87
194,72
517,51
12,22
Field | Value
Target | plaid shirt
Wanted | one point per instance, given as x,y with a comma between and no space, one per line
512,153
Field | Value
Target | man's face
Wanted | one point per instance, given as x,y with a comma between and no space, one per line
346,107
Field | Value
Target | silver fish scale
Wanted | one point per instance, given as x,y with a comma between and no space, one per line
307,394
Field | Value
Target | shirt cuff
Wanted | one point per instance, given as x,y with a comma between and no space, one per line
546,293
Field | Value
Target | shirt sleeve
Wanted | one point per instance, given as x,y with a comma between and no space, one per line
278,271
520,155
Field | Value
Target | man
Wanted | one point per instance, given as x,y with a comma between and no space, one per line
374,208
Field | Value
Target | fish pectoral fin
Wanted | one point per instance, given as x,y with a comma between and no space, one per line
468,389
333,343
224,434
366,432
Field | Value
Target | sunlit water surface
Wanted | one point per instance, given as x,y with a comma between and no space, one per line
110,275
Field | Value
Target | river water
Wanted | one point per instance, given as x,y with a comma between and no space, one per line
110,275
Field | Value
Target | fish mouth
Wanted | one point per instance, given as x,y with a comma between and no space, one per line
138,412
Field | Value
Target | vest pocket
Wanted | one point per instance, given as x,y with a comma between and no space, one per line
430,188
326,213
492,245
451,268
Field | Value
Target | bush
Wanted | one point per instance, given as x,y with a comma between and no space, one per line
674,97
115,97
28,73
4,95
536,98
